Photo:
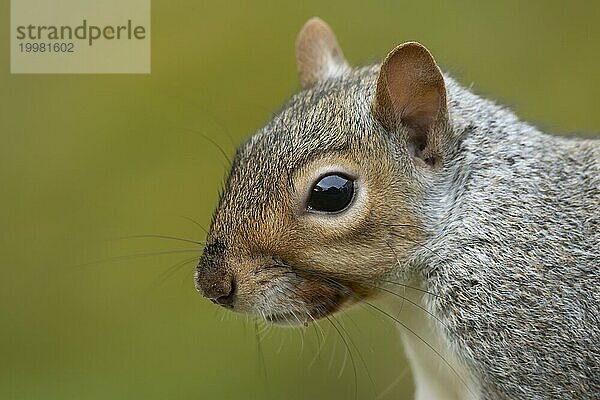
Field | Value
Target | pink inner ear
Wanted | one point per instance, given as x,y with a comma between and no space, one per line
411,92
421,112
415,87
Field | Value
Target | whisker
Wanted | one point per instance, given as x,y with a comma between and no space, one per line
344,287
420,244
341,286
136,256
359,354
402,285
423,341
261,358
392,385
214,142
264,329
186,277
334,348
172,270
413,303
161,237
197,224
281,343
301,331
320,340
362,277
398,263
348,351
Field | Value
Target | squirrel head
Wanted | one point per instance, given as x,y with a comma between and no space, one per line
322,203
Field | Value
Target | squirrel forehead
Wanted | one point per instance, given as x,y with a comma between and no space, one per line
326,117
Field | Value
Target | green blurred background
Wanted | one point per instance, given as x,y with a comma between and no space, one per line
86,159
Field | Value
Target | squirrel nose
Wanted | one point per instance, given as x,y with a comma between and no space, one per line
213,279
222,294
216,285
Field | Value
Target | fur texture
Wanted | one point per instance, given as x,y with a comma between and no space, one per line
505,231
514,237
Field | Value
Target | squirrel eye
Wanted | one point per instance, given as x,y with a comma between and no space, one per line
332,193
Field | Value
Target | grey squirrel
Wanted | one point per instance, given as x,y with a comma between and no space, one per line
395,173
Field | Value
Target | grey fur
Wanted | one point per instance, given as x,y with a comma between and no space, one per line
512,224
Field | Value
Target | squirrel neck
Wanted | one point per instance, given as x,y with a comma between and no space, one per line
500,167
507,223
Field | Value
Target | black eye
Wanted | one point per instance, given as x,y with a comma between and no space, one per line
332,193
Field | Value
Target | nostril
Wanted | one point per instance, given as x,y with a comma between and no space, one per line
227,299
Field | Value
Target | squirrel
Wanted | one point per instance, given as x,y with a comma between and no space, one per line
395,174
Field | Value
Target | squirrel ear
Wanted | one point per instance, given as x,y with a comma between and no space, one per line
411,92
318,55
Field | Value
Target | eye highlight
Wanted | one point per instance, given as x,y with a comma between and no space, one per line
332,193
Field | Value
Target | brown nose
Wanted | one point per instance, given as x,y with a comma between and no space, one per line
216,285
213,279
222,293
